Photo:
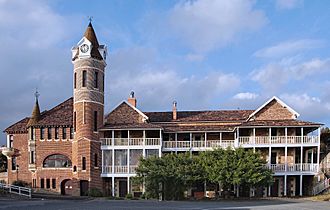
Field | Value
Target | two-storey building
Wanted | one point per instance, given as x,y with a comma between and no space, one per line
74,147
290,146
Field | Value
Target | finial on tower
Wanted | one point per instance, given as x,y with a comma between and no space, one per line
36,94
90,18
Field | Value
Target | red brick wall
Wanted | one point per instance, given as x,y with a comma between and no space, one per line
20,142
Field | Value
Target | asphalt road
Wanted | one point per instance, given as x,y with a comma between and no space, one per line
97,204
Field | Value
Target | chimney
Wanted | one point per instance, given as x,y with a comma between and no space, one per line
132,100
174,113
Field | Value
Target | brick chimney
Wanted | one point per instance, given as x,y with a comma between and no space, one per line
132,100
174,111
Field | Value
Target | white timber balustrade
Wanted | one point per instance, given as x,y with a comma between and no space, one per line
130,141
307,167
22,191
259,140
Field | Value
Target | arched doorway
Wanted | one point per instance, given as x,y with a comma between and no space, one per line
67,187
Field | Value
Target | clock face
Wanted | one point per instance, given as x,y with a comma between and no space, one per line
84,48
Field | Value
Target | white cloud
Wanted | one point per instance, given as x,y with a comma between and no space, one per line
194,57
205,25
288,4
157,86
245,96
33,55
289,47
31,24
309,107
274,76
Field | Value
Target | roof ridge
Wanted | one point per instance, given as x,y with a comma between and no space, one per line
220,110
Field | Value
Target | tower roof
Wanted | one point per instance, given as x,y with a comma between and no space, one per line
91,36
35,116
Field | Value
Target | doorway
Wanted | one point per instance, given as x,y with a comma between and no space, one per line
273,159
84,187
274,188
122,188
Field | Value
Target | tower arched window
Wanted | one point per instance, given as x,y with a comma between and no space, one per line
57,161
75,80
96,79
84,78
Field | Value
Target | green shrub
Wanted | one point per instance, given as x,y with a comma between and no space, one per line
143,196
21,183
129,196
94,192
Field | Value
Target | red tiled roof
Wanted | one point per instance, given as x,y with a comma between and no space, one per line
193,116
132,126
19,127
280,123
60,115
180,128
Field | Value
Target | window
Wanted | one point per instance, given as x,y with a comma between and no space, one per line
34,183
54,183
84,75
47,183
274,131
42,133
32,157
11,140
95,120
95,160
49,133
57,161
56,133
96,79
42,183
102,82
74,121
63,133
32,134
152,152
13,163
75,80
71,132
84,163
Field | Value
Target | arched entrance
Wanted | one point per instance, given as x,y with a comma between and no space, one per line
67,187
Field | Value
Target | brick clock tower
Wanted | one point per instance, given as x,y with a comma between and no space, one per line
89,61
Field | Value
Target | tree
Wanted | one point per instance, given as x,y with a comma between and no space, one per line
172,174
3,163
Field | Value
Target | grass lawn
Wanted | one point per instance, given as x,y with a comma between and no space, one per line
325,197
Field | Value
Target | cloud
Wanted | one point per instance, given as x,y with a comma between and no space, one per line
288,4
245,96
32,24
156,85
274,76
289,47
33,55
206,25
310,107
194,57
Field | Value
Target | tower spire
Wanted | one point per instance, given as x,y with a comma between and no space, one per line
35,116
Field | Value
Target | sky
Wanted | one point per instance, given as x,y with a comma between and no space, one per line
204,54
